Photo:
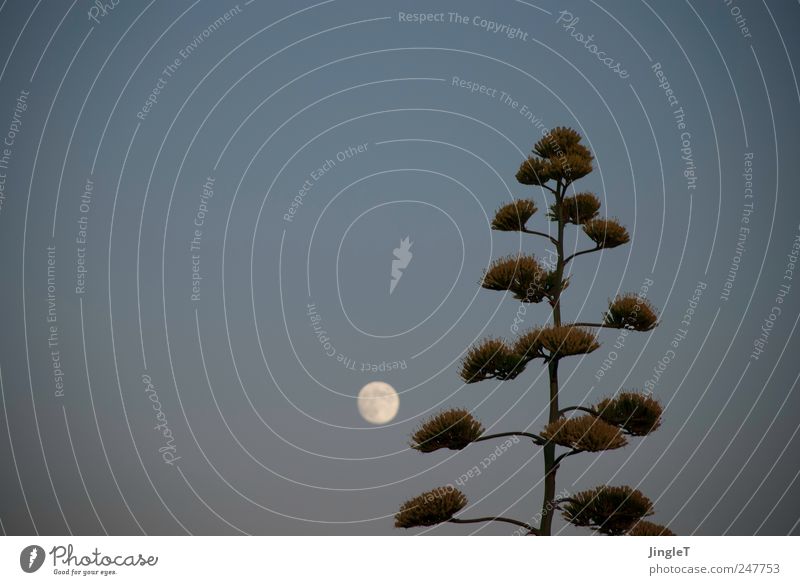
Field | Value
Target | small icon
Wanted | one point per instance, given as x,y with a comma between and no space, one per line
31,558
403,257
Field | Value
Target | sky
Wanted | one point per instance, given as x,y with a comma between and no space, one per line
200,203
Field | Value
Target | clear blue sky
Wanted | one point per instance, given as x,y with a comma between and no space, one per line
167,123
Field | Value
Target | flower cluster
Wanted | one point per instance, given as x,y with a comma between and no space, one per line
491,358
494,358
567,340
630,311
522,275
451,429
606,233
430,508
577,209
609,510
513,216
635,413
584,433
529,345
558,156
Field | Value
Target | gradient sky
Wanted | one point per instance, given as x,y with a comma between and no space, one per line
266,435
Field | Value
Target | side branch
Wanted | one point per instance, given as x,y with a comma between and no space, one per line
536,438
527,527
567,454
576,254
549,188
544,235
564,411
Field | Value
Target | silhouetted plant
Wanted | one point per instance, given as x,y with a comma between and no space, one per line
557,160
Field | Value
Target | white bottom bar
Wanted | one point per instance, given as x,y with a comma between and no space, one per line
401,559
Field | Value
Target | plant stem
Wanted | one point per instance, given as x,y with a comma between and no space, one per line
545,526
560,263
550,466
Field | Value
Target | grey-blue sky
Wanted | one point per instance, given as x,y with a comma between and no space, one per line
275,444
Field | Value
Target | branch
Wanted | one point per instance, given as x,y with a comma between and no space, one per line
596,325
567,454
549,188
544,235
536,438
595,249
528,527
564,411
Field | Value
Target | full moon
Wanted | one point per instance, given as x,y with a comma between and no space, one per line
378,403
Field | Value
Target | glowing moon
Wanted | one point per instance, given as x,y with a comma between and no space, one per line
378,403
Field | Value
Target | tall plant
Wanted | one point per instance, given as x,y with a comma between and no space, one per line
557,160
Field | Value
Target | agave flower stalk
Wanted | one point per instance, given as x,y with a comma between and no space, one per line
557,160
